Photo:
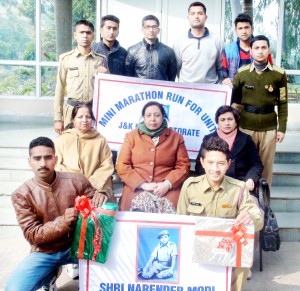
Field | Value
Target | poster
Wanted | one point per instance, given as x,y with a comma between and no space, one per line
161,239
118,103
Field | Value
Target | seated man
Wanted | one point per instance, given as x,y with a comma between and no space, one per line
217,195
162,261
45,211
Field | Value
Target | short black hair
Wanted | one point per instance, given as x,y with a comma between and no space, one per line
41,141
224,109
159,105
110,18
243,17
150,17
197,4
259,37
215,143
86,23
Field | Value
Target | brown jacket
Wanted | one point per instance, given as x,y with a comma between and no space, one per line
40,209
140,161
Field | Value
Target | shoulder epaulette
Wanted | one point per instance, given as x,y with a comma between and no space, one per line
244,68
278,69
66,54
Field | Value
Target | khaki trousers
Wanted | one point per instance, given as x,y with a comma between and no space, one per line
265,142
238,278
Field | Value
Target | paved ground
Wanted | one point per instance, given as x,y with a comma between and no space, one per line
281,269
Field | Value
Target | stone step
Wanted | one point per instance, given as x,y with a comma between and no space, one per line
286,175
7,212
15,175
287,157
289,225
285,199
13,152
14,164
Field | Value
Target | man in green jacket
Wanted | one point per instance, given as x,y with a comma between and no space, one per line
257,89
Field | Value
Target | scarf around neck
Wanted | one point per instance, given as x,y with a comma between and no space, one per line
153,133
229,138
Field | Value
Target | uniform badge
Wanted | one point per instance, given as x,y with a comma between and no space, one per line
271,89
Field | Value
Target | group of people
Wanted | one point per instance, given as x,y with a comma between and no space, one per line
153,162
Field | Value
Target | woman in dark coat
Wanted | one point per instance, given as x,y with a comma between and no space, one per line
246,164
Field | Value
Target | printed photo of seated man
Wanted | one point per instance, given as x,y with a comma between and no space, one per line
157,254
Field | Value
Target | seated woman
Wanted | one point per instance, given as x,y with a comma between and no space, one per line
245,161
153,159
82,149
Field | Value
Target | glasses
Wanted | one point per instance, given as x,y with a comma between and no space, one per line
148,27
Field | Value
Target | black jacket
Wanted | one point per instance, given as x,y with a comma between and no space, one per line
115,57
156,61
246,163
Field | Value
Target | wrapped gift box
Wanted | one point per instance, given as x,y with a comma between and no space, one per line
94,230
219,242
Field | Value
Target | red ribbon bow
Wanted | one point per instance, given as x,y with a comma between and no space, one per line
83,205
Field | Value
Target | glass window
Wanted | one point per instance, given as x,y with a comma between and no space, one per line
294,88
17,80
48,34
17,34
267,26
48,81
290,58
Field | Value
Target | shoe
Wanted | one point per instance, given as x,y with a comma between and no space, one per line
72,271
249,275
51,286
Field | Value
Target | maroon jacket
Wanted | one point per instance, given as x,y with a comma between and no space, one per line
40,209
140,161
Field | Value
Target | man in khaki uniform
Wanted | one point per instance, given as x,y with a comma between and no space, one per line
76,74
217,195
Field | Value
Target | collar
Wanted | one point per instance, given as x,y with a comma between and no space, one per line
113,49
207,187
150,46
44,184
78,53
269,66
206,33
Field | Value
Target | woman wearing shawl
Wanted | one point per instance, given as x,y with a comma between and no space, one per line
152,160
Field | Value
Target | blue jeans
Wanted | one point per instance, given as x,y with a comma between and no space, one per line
37,269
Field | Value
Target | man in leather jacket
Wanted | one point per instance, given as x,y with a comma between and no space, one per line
151,59
44,207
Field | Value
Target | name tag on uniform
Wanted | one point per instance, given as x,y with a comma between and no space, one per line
249,87
226,206
195,203
73,69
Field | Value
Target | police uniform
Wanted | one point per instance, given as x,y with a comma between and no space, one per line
198,198
259,93
75,77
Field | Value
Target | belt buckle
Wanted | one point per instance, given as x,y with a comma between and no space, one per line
257,110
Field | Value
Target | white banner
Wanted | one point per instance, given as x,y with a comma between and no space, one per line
118,103
136,238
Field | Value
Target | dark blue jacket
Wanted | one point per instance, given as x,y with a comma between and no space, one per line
115,57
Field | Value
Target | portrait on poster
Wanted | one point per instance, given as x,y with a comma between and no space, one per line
158,254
